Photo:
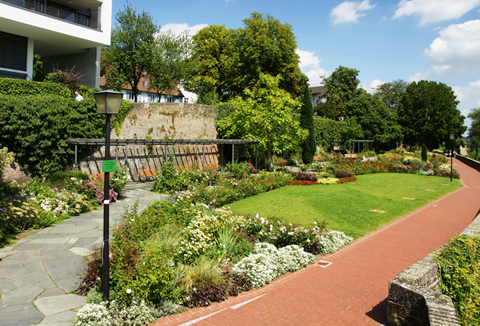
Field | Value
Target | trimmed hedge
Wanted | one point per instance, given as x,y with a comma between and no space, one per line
20,87
36,129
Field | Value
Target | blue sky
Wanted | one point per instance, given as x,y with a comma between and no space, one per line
435,40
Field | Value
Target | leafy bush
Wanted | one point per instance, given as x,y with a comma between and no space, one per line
240,170
173,179
119,178
302,176
67,78
281,234
36,129
342,174
459,276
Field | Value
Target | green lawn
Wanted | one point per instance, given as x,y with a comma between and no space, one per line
347,207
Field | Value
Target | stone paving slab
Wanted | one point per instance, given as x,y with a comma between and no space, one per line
20,315
60,303
37,271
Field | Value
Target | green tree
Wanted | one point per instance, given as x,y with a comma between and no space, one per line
306,122
428,115
474,133
377,121
214,56
267,46
172,63
131,50
229,61
268,114
342,86
391,93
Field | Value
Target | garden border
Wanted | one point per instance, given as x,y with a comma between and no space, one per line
414,297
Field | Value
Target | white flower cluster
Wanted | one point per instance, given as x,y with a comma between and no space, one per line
93,315
331,241
202,232
113,314
56,205
266,263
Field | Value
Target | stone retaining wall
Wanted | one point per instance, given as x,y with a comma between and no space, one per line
161,121
414,297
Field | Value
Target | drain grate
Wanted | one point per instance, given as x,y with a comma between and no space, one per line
323,263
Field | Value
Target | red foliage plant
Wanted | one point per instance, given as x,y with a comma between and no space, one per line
302,183
347,179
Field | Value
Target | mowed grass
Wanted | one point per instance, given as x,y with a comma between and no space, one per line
348,207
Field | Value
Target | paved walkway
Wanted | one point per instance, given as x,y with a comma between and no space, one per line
354,288
38,274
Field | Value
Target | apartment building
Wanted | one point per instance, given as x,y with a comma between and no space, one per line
65,32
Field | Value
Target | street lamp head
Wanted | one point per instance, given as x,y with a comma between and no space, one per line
452,136
108,102
144,73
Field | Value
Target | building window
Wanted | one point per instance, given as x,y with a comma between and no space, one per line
13,51
185,100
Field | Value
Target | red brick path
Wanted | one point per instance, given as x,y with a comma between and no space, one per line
354,288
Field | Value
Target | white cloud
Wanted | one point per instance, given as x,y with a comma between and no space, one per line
179,28
428,11
467,92
372,85
456,51
310,66
419,75
348,11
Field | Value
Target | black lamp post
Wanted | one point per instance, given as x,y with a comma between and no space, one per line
108,103
452,137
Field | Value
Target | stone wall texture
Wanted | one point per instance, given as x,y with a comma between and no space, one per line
414,297
161,121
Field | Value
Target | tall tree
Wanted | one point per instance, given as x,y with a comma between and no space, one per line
267,46
428,114
172,62
376,120
342,86
391,93
306,122
229,61
131,50
268,114
474,132
214,55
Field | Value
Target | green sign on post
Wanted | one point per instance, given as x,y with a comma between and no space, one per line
108,166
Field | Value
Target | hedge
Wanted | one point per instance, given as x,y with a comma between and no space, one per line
36,129
20,87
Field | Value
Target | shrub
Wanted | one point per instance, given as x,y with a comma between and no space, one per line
302,176
119,178
115,314
20,87
36,129
267,263
342,174
459,276
331,241
240,170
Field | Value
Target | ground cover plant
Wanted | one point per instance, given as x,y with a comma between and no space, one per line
348,207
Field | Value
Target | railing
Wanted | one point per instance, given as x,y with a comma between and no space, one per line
72,17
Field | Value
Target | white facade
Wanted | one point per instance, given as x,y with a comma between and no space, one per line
64,32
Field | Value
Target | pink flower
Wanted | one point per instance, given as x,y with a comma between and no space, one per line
110,256
188,298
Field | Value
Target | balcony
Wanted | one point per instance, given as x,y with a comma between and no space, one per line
71,16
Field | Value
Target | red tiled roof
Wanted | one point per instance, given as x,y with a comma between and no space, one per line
173,92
